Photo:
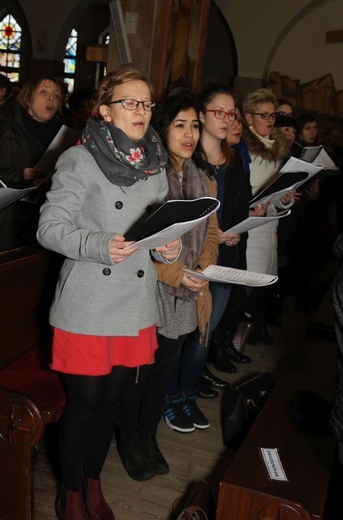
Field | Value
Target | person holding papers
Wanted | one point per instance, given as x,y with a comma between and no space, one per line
222,352
267,154
104,312
184,303
27,127
218,114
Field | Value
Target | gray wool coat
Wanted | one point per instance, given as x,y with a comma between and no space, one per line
82,214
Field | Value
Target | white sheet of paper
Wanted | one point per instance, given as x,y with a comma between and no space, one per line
272,461
218,273
297,165
164,237
254,222
324,160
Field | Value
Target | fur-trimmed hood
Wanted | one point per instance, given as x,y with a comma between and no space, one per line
279,149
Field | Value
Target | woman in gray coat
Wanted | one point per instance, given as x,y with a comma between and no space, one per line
104,311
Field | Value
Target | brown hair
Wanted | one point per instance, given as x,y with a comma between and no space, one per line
104,93
24,97
208,93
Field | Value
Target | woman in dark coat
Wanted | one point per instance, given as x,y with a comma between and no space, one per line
27,128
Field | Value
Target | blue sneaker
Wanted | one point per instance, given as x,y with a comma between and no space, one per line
178,416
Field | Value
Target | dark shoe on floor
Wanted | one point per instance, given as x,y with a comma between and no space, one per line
221,362
96,506
70,506
178,416
234,354
213,380
205,391
199,420
135,462
154,455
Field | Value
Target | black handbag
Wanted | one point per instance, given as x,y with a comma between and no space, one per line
243,406
199,504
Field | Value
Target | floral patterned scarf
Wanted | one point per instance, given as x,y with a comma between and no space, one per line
122,161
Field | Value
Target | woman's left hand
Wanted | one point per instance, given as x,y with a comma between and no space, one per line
288,197
170,251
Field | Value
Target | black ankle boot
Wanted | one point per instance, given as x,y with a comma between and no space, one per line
135,462
231,351
217,356
220,360
212,380
154,455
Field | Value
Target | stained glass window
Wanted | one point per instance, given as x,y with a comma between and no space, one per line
70,60
10,42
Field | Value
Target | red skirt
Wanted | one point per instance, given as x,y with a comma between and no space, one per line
96,355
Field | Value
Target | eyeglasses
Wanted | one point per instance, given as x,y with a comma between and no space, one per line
221,114
133,104
264,115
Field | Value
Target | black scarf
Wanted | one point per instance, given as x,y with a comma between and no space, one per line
194,185
122,161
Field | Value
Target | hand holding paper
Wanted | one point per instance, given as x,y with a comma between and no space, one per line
218,273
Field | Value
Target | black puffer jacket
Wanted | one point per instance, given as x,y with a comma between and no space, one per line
19,150
337,415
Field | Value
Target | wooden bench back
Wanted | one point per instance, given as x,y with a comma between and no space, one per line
27,280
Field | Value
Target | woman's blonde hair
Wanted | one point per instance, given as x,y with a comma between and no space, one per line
256,98
105,90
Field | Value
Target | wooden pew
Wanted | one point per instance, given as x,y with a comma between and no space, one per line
246,491
31,395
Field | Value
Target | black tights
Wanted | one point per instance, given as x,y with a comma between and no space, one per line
88,423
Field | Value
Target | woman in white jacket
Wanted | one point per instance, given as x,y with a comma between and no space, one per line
267,156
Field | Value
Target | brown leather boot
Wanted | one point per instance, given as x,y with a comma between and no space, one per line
96,506
75,508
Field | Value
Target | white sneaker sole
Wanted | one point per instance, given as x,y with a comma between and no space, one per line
177,428
202,426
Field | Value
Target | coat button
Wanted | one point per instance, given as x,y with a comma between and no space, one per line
118,204
106,271
140,273
149,209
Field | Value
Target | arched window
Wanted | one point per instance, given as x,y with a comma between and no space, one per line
10,43
70,60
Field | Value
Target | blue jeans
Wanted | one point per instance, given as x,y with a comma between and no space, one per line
189,362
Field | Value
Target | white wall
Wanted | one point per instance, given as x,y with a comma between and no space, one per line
304,53
287,36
